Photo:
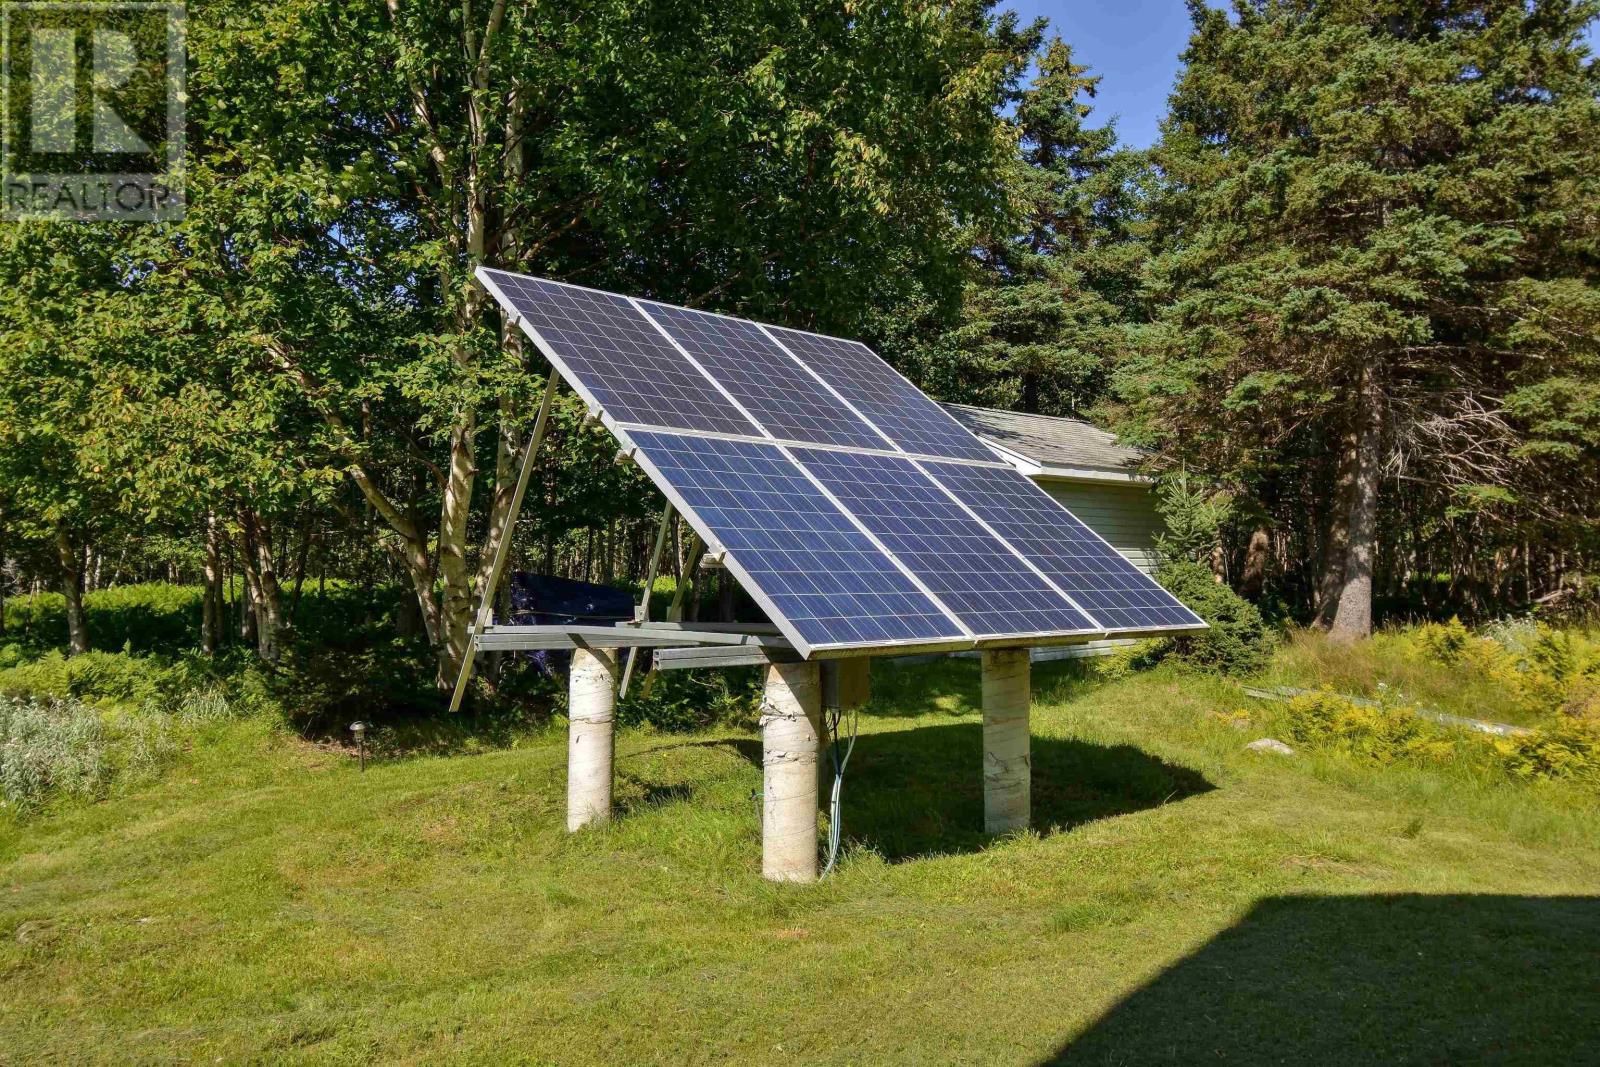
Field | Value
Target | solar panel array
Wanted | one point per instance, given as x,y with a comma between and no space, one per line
858,512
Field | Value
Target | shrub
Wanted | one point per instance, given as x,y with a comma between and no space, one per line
50,746
1238,641
1545,672
150,617
1381,734
1442,642
1568,749
1565,750
692,700
67,747
113,677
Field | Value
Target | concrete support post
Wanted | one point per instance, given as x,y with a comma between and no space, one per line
791,728
1007,764
592,707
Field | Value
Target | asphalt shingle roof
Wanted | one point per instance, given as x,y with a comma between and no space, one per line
1047,439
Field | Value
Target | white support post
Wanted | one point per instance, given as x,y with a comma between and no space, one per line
1007,763
592,705
791,728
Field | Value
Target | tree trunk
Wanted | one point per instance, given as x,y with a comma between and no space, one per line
71,559
1336,541
1257,554
302,557
265,600
455,607
211,596
1353,618
270,624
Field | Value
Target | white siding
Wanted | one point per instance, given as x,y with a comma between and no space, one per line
1125,515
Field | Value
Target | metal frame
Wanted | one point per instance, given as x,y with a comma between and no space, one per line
502,551
667,515
509,638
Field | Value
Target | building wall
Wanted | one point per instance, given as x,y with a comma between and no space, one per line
1125,515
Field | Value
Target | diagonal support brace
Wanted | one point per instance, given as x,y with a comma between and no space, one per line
502,551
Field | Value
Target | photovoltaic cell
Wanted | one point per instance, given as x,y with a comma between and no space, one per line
633,372
966,567
1093,573
802,550
893,404
775,389
819,571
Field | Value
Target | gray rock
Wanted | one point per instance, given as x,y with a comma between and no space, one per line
1272,745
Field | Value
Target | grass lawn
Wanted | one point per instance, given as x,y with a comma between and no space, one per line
1181,900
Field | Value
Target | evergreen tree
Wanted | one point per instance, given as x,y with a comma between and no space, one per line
1378,260
1043,311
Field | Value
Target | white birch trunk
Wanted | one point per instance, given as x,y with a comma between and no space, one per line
791,720
1007,763
591,713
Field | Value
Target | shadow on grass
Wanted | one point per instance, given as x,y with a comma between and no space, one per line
919,792
910,794
635,794
1377,979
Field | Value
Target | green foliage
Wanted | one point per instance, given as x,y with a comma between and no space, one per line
1382,215
1545,672
1563,749
1238,641
1567,749
1378,733
1191,518
1043,312
1443,642
147,617
693,700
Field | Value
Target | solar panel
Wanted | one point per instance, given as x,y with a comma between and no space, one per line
774,388
1089,570
844,544
819,573
893,404
614,354
971,571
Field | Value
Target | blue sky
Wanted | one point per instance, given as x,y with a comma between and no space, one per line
1133,45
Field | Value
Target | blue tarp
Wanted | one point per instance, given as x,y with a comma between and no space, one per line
543,600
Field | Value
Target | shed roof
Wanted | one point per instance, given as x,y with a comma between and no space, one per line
1059,446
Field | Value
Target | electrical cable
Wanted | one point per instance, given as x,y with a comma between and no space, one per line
839,753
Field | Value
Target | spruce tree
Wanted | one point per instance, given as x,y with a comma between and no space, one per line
1040,318
1378,227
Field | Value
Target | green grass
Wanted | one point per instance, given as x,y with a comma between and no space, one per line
1179,900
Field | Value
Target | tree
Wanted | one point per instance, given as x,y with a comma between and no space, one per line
62,310
1044,311
1377,270
788,159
